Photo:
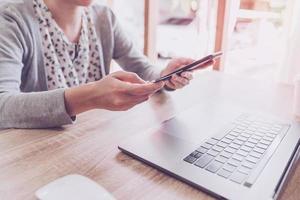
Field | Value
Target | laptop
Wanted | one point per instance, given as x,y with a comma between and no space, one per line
228,152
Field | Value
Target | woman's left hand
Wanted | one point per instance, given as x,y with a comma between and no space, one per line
182,80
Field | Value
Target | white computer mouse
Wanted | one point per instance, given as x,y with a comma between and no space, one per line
75,187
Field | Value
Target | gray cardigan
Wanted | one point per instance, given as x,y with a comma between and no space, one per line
25,101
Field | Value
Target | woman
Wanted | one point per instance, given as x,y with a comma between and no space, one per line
54,64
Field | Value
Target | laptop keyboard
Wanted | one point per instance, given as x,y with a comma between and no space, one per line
240,151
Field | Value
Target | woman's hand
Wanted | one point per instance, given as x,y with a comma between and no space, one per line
179,81
118,91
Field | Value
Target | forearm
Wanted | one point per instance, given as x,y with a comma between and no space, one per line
33,110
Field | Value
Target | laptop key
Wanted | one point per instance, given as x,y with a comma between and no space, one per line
229,167
252,140
202,150
273,132
246,148
234,133
238,142
198,155
262,146
212,141
190,159
230,150
238,157
244,170
242,152
252,159
222,144
255,154
256,137
235,146
266,142
213,153
270,135
224,173
226,154
234,162
249,144
249,132
262,131
226,140
206,145
214,166
248,164
230,137
217,148
268,138
259,150
242,138
246,135
238,177
237,130
204,160
221,159
259,134
265,128
194,153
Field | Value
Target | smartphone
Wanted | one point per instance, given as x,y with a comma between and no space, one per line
191,66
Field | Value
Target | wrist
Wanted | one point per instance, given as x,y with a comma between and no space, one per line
79,99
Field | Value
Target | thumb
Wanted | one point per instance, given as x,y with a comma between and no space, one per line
128,77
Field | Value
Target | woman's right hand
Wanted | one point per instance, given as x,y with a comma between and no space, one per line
118,91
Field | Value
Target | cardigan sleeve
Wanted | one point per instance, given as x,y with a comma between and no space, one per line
17,109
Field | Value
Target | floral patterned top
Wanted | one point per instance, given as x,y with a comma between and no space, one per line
68,64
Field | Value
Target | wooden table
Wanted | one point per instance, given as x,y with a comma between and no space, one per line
30,159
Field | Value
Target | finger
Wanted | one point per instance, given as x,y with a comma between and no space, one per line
179,62
178,82
170,85
181,80
187,75
128,77
144,89
185,61
177,85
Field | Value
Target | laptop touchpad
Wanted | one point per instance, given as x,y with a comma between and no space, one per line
195,126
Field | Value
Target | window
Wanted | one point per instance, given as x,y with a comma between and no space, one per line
257,40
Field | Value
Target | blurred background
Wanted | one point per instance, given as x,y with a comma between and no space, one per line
260,38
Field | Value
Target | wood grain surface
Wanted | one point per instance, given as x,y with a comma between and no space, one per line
30,159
